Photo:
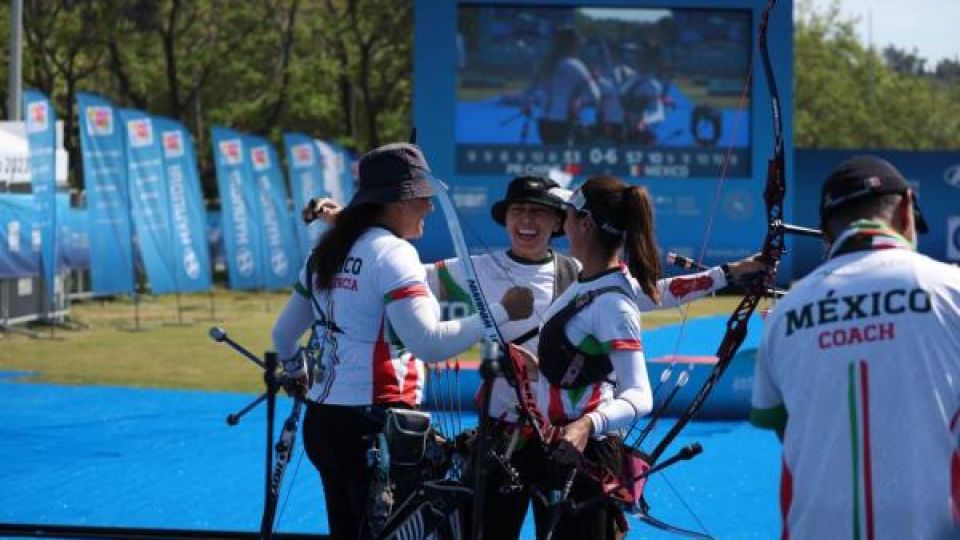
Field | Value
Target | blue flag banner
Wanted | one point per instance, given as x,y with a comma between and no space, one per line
74,235
148,199
306,182
20,246
191,255
215,239
238,205
345,170
281,254
337,178
108,202
41,121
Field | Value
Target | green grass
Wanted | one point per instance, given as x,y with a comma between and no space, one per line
165,355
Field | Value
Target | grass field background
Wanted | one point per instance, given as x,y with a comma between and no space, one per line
165,354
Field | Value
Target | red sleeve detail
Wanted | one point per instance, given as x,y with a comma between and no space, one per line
410,291
626,345
682,286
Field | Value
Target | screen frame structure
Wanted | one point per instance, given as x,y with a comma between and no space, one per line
687,208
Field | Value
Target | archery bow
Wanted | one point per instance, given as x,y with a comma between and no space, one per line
773,247
492,335
514,367
284,447
756,289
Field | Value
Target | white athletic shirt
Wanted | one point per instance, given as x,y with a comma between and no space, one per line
383,314
498,271
611,325
861,360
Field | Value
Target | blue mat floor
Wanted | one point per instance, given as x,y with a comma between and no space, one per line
157,458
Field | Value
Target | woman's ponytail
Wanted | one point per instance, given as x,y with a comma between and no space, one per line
640,244
624,217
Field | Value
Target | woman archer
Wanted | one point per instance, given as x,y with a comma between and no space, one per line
364,290
592,366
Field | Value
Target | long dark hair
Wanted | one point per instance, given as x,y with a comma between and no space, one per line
627,208
331,250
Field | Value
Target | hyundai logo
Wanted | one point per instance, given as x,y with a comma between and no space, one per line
952,176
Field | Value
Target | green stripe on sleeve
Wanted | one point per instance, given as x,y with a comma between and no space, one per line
774,418
453,291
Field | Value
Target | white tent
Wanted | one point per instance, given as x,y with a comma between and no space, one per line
14,167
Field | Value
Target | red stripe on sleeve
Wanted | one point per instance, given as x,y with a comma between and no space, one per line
626,345
682,286
410,291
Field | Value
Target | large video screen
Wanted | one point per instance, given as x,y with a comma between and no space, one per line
636,92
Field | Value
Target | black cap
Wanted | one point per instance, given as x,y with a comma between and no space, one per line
393,172
528,189
860,178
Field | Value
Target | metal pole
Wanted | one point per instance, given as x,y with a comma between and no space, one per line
15,81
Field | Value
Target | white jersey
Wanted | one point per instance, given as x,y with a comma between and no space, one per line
861,361
498,272
610,323
364,361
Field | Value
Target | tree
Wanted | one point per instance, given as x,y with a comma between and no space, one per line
370,55
61,52
335,68
847,96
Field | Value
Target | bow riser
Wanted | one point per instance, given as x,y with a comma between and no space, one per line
771,252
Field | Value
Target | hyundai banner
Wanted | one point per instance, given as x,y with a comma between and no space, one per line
306,181
108,202
41,121
191,254
238,204
337,177
281,253
148,199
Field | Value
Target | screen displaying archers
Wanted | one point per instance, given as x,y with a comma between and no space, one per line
637,92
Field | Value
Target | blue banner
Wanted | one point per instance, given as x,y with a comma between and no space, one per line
281,254
74,235
306,181
20,246
337,176
238,203
191,255
41,121
108,201
148,199
20,238
215,239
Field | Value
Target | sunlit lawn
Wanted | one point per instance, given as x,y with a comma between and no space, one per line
164,354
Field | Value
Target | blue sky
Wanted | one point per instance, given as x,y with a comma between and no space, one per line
932,27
